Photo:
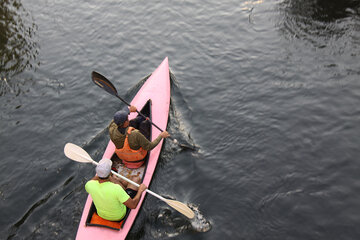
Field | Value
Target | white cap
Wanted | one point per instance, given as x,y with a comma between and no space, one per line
103,168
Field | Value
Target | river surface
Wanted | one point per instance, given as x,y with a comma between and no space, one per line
268,91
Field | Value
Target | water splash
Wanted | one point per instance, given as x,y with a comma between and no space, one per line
169,223
199,223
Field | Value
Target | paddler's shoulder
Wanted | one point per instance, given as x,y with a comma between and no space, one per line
134,131
113,128
112,124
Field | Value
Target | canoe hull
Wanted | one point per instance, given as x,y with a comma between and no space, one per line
157,89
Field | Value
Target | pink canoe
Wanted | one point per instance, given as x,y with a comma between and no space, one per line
153,99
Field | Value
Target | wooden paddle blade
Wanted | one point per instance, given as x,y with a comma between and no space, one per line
181,208
76,153
102,82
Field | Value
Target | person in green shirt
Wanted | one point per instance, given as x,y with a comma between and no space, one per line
111,196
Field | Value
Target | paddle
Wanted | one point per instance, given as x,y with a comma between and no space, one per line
105,84
78,154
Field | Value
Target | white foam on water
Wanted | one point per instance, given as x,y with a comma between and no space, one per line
171,224
199,223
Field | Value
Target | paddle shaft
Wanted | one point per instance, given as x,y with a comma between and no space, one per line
140,113
134,183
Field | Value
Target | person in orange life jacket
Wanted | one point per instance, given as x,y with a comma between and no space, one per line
112,196
131,144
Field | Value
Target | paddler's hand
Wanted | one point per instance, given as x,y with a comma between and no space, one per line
142,188
164,134
132,108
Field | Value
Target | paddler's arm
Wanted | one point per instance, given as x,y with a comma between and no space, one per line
112,127
115,135
143,142
129,109
133,202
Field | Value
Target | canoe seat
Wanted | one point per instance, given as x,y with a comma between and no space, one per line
94,219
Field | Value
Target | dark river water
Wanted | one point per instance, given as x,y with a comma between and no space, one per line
268,91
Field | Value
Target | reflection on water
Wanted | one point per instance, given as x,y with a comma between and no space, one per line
319,21
323,10
249,5
18,47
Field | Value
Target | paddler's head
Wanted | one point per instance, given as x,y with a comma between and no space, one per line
121,119
103,169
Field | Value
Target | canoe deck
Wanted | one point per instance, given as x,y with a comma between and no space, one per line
128,172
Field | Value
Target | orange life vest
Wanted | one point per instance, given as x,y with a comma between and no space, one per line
131,158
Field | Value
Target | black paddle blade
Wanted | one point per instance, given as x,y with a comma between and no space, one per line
102,82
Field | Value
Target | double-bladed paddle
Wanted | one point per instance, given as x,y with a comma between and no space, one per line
105,84
78,154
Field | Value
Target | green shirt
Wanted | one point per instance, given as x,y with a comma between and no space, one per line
108,198
136,139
